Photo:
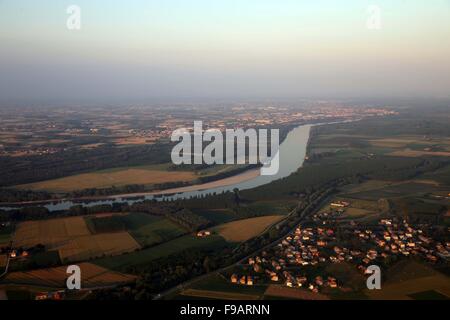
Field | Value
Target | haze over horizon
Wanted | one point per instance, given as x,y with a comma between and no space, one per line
154,50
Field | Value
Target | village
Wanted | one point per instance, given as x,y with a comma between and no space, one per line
300,259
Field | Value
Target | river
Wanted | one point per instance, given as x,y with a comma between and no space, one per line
292,155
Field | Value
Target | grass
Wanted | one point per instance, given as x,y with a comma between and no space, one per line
5,234
19,295
4,238
261,208
216,216
441,175
428,295
146,229
394,190
156,232
37,260
409,278
220,284
165,249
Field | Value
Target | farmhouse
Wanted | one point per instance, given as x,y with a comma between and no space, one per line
203,234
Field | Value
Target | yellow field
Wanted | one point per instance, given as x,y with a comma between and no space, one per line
72,239
242,230
49,232
218,295
107,179
91,276
93,246
3,259
417,153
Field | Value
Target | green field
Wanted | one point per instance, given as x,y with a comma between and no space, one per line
428,295
218,283
261,208
165,249
146,229
216,216
441,175
5,234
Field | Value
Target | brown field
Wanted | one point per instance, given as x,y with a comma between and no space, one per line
218,295
91,276
416,153
3,259
134,140
291,293
49,232
72,238
94,246
242,230
107,179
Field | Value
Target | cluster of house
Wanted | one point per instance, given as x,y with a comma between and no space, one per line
299,249
311,246
400,238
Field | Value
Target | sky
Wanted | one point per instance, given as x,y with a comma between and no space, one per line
144,51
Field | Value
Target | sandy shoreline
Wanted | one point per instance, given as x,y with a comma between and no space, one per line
241,177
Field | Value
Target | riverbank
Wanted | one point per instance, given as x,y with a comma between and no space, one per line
239,178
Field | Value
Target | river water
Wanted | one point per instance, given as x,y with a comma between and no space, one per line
292,155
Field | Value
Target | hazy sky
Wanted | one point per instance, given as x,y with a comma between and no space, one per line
146,50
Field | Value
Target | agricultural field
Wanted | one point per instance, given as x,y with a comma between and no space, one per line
145,175
5,235
243,230
441,175
392,190
49,232
3,260
416,153
216,216
92,276
411,280
278,291
146,229
72,239
208,294
172,247
95,246
216,286
263,208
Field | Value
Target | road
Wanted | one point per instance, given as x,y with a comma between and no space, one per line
9,255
